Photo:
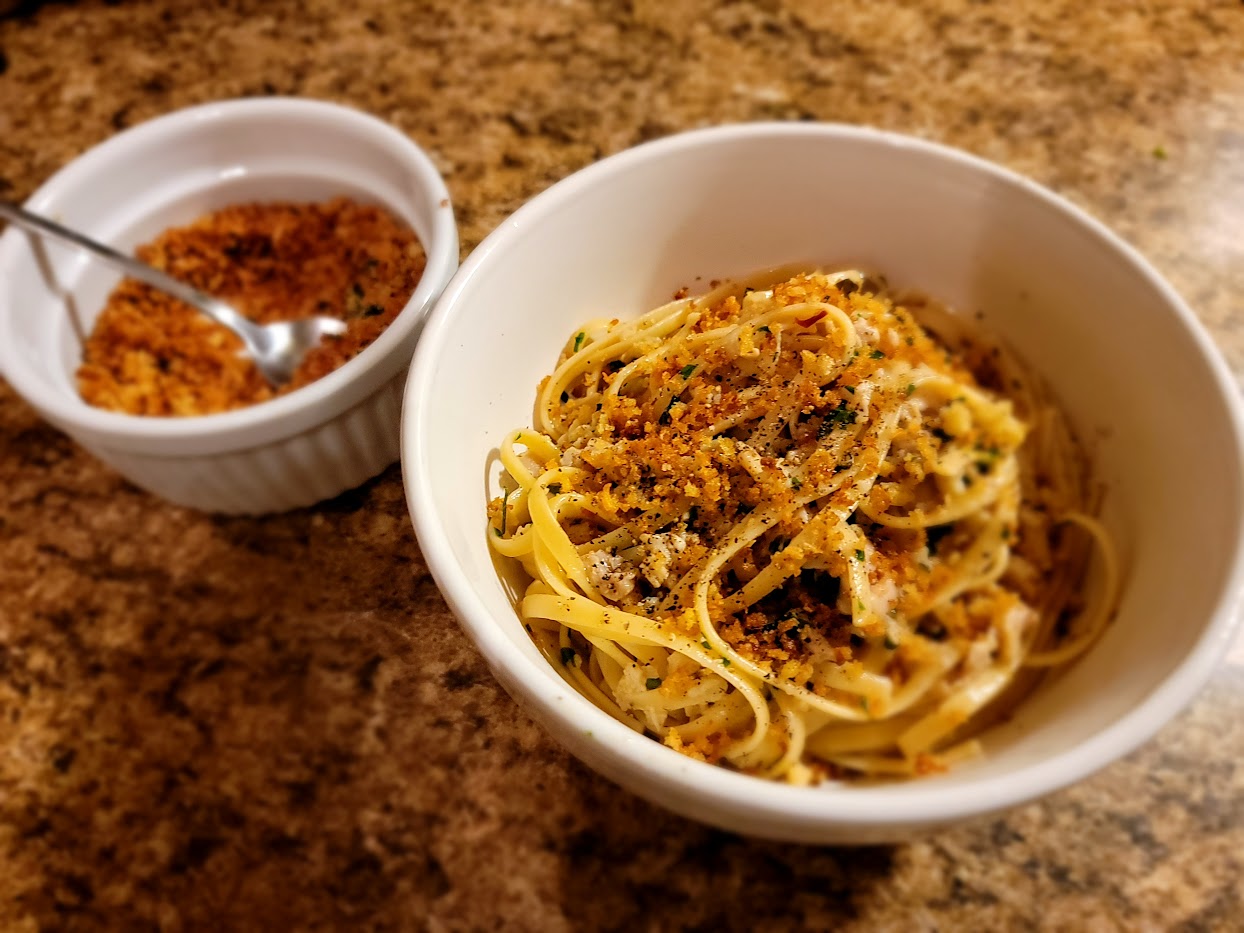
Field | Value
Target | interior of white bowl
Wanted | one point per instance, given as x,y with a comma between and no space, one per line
1138,377
169,172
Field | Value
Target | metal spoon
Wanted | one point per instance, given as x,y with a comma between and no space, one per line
276,349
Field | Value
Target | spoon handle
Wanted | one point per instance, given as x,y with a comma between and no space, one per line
212,307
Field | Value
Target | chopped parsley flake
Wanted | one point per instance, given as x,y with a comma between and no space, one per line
725,662
707,646
665,415
911,387
653,682
839,417
878,355
578,340
688,370
859,555
554,488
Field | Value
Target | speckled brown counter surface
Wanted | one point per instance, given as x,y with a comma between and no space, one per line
275,724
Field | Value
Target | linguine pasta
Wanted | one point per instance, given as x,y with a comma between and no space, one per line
784,528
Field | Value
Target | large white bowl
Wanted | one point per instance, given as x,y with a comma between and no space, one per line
1129,360
291,451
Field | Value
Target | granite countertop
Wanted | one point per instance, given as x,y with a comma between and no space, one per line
211,723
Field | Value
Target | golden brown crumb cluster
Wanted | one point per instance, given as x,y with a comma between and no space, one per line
149,354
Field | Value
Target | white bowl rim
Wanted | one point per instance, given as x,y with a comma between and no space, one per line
317,401
891,805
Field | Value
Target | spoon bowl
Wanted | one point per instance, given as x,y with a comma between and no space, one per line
278,349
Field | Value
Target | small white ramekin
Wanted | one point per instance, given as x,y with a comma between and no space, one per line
289,452
1132,366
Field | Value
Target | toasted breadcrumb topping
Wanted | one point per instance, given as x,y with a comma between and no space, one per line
149,354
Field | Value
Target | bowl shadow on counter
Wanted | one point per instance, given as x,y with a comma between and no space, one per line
636,866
